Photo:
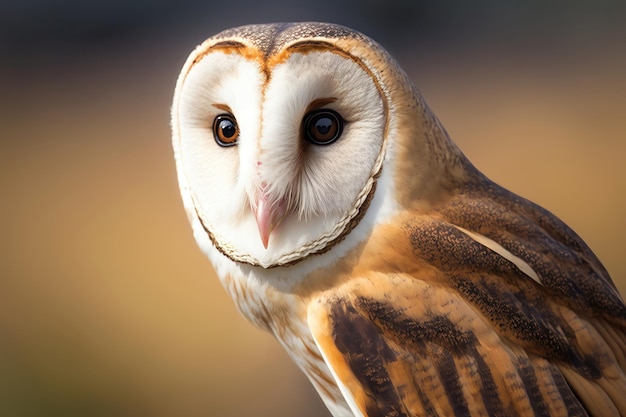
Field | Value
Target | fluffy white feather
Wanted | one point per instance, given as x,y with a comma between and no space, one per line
319,183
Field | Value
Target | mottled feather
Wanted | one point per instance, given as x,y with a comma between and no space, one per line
468,332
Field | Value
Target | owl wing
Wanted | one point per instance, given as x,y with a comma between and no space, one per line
459,323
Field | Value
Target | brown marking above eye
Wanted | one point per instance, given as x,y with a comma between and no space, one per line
318,103
223,107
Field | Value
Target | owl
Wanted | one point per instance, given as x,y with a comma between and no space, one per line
341,217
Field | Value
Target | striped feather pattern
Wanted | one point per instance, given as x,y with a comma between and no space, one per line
450,327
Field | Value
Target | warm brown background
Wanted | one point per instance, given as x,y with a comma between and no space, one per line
107,307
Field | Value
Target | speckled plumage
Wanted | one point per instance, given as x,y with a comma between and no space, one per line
416,287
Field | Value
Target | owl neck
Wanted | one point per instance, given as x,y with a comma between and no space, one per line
426,162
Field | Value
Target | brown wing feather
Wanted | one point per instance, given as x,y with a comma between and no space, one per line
454,328
567,266
440,359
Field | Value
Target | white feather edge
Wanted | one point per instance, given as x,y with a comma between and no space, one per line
500,250
347,395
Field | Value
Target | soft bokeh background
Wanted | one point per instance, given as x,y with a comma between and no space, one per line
107,308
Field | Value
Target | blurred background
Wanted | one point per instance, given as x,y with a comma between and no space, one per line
107,307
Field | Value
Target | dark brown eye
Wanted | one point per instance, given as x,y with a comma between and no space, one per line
322,127
225,130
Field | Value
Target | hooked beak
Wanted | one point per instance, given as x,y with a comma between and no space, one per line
268,213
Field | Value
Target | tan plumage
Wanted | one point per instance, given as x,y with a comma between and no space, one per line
401,280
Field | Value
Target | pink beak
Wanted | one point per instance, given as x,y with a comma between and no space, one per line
268,215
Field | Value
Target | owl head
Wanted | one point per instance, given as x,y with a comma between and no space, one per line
289,136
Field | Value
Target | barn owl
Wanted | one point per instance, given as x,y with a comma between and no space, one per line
341,217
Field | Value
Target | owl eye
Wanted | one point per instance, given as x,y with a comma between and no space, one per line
322,127
225,130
